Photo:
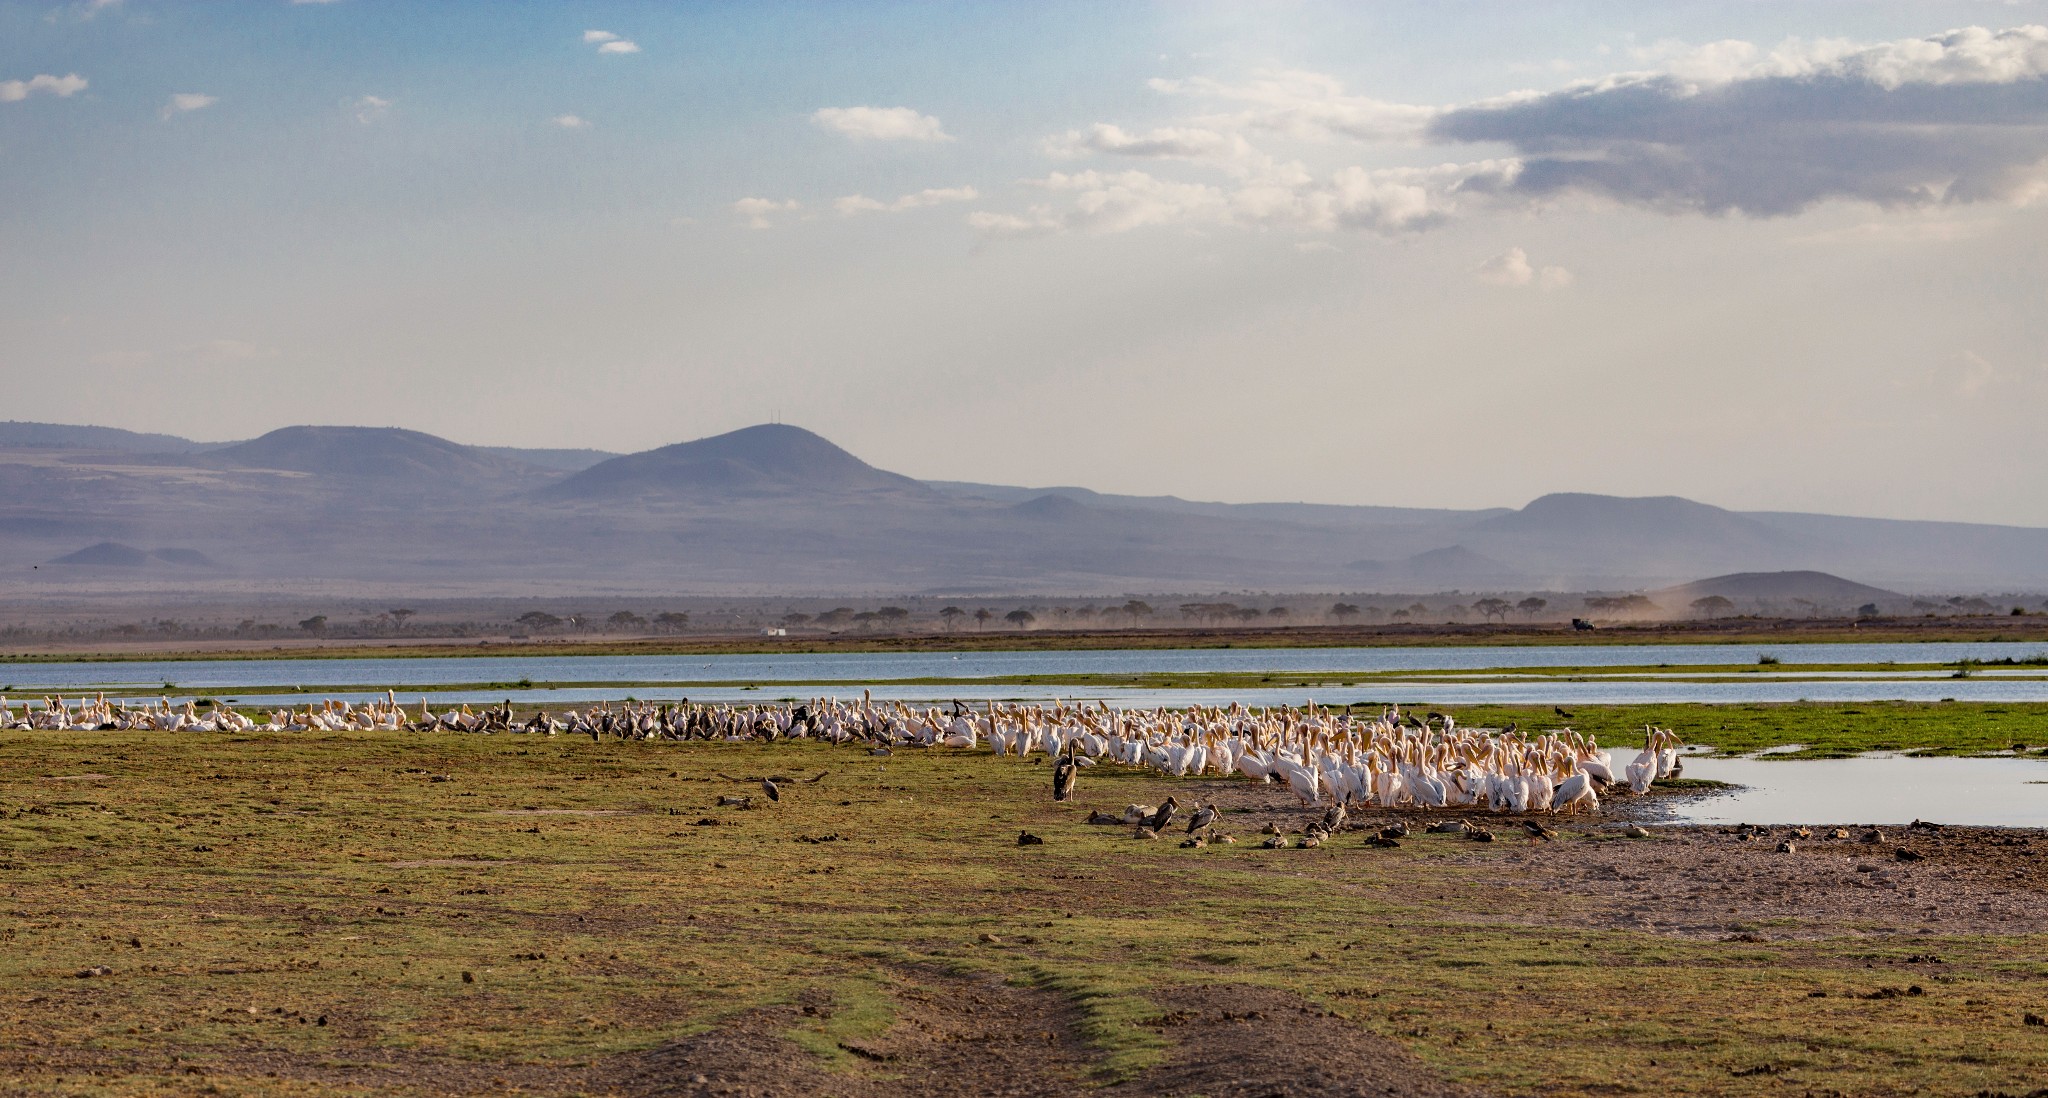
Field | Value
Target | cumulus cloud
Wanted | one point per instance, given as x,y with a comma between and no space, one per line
1169,143
1512,268
880,124
1286,196
370,108
63,87
607,42
1303,105
183,102
571,122
1953,118
760,213
930,196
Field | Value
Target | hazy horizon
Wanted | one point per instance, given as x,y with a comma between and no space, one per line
1771,257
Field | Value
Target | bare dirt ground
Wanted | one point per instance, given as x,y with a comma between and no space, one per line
979,1036
1717,882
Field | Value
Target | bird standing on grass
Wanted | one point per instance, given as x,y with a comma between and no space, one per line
769,787
1064,775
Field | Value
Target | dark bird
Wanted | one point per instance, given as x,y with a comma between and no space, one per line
1098,816
1064,774
1788,847
1203,817
1479,835
1275,842
1395,830
769,787
1383,843
1026,838
1333,819
1538,831
1165,814
1562,712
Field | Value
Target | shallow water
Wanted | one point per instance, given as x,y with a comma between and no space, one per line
1417,693
1872,789
870,666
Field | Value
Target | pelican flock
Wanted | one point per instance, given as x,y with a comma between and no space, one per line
1321,755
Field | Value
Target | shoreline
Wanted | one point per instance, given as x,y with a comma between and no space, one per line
1731,631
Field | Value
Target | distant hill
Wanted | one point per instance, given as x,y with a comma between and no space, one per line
775,508
769,459
113,554
1450,566
1816,587
378,453
63,436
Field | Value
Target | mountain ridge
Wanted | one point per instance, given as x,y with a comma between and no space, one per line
776,507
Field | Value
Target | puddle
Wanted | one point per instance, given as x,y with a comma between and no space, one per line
1873,789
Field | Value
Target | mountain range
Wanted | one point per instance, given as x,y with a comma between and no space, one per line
776,509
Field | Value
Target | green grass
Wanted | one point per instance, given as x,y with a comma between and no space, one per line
274,873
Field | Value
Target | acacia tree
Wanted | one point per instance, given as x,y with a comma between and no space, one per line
674,621
1532,606
892,614
951,615
981,617
1020,618
1344,610
399,615
1492,608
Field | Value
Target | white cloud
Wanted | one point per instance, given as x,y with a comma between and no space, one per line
183,102
1512,268
571,122
1952,118
63,87
760,212
1169,143
1303,105
620,46
880,124
593,37
370,108
930,196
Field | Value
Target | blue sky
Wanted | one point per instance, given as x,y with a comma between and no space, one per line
1775,256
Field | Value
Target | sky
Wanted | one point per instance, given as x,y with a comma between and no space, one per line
1772,256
